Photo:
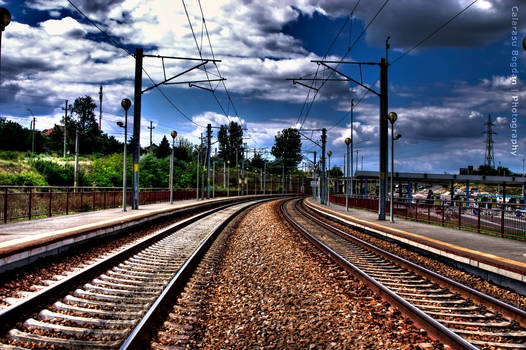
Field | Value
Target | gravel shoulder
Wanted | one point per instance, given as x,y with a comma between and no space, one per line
274,290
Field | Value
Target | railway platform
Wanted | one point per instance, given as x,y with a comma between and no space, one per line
494,258
25,241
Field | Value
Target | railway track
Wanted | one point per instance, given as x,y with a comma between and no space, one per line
449,311
114,303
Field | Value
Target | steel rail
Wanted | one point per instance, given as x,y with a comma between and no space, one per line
14,313
496,305
435,329
140,335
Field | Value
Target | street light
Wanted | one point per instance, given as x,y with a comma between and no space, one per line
197,171
213,175
126,104
347,143
5,19
329,154
174,135
392,116
228,180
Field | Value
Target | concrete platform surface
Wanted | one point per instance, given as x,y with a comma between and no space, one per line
494,254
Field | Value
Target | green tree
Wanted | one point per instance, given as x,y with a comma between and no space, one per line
287,148
14,137
86,124
335,171
183,150
164,148
230,139
257,161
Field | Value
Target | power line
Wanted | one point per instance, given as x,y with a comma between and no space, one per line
432,33
365,93
231,102
100,29
118,45
344,56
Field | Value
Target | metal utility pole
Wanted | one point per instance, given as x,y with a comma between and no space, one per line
208,148
139,55
75,174
282,175
237,170
100,108
137,126
323,194
243,169
151,127
348,142
65,109
197,172
383,129
173,133
315,191
33,137
352,143
384,144
264,176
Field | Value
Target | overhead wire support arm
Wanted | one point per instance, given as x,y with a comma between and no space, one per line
349,78
310,139
184,58
195,81
175,76
200,87
295,81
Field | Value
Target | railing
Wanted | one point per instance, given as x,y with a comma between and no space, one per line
504,219
26,203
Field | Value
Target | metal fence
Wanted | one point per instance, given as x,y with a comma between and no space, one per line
504,219
28,202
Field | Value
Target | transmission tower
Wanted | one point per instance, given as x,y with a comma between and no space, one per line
490,158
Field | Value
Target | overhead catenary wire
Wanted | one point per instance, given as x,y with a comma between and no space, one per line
405,53
230,101
118,45
430,35
345,55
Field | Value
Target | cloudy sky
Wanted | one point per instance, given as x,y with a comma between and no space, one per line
442,91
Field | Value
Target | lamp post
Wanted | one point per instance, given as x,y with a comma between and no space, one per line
126,104
197,171
392,116
329,154
32,132
228,180
174,135
213,175
5,19
348,142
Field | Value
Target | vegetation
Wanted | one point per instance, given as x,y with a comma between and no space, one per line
101,157
287,148
230,139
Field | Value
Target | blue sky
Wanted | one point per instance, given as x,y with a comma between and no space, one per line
442,91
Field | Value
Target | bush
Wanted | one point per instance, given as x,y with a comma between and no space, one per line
26,178
10,155
55,174
107,171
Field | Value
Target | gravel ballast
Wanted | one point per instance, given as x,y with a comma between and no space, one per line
273,289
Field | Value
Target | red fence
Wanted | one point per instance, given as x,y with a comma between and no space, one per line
26,203
504,219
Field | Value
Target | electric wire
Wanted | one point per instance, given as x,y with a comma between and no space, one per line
430,35
118,45
345,55
231,102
